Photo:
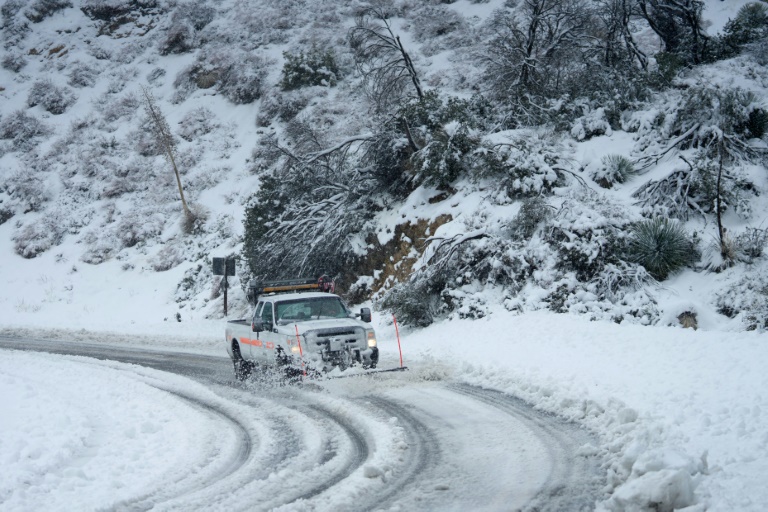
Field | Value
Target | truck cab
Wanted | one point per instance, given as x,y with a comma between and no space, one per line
296,328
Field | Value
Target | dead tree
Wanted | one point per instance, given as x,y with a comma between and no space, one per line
382,59
165,139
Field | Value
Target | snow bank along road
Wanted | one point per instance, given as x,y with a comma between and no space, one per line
202,441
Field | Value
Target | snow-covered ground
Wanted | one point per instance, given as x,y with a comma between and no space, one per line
679,413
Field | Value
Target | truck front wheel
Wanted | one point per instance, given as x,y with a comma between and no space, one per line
243,368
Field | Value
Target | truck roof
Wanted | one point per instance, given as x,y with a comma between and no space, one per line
279,297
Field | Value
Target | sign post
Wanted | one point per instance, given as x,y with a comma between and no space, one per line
224,267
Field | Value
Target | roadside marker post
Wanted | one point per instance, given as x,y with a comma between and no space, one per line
301,352
397,332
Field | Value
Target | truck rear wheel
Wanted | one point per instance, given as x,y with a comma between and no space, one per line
243,368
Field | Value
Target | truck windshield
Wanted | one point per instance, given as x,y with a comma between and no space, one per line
314,308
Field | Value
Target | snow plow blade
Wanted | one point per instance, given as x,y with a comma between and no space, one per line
366,373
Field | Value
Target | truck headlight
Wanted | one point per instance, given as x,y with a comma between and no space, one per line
371,339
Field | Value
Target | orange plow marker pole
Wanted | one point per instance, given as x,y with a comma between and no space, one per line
301,352
397,331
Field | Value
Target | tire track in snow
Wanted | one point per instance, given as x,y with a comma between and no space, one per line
574,483
422,454
203,477
360,451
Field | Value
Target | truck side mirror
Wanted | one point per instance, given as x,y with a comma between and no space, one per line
257,326
365,315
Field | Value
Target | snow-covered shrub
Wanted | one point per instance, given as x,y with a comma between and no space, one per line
52,98
167,258
83,75
443,159
588,232
100,247
108,10
27,190
241,82
138,226
116,187
614,169
6,214
706,115
36,237
154,77
751,243
436,21
236,75
193,222
196,123
417,302
526,163
747,299
14,27
719,254
41,9
591,124
316,67
195,280
24,130
284,106
759,51
99,52
123,107
533,212
439,28
693,189
444,136
14,62
186,21
145,140
180,38
661,246
614,281
749,25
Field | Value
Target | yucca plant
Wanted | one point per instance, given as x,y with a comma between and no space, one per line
615,169
661,246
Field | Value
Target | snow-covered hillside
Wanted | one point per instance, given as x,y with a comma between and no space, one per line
89,201
94,242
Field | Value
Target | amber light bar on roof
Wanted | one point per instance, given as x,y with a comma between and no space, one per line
256,288
268,288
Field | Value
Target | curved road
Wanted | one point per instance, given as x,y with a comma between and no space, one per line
385,442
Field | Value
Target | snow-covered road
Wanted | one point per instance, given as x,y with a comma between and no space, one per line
174,431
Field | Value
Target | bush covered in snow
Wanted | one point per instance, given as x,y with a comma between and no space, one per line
36,237
186,21
614,169
525,163
749,26
316,67
14,62
661,246
417,302
106,10
747,299
38,10
83,75
236,75
27,190
196,123
52,98
23,130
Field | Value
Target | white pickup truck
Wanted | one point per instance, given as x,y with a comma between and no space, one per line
298,330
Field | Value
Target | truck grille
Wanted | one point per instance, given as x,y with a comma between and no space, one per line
347,335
